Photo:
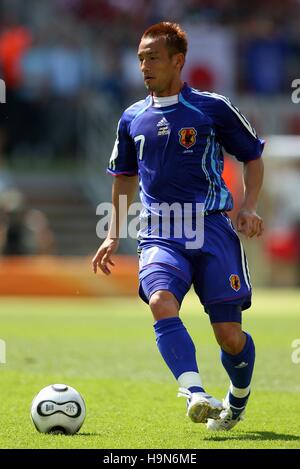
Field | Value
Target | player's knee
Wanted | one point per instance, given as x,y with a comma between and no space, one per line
230,337
163,305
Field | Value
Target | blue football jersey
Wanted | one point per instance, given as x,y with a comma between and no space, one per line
177,150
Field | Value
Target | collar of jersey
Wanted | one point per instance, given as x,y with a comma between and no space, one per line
165,101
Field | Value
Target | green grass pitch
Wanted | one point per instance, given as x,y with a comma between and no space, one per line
106,349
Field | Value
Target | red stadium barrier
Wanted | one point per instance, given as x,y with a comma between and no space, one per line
57,276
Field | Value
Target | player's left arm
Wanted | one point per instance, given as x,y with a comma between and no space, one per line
239,138
248,221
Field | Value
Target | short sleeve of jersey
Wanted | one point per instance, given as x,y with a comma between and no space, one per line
235,133
123,159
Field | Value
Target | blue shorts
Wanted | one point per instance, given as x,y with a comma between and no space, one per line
218,271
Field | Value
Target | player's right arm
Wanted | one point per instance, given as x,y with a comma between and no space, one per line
122,165
123,185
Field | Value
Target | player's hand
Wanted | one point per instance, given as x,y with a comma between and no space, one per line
249,223
102,257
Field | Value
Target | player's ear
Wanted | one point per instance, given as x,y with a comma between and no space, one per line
179,60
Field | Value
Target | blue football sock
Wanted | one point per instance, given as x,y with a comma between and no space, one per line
240,368
177,348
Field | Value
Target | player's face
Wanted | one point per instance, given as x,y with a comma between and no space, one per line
160,70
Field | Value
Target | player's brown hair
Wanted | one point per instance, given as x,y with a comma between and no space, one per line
175,37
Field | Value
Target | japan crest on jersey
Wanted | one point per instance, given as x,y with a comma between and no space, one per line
235,282
187,137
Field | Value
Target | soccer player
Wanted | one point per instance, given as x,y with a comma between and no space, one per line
171,142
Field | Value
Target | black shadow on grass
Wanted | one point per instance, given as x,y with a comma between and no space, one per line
89,434
78,434
258,436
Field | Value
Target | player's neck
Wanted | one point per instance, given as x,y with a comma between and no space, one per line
172,90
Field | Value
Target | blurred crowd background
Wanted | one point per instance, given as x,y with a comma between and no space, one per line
70,69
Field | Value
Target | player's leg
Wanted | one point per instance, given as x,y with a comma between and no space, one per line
164,291
238,357
224,298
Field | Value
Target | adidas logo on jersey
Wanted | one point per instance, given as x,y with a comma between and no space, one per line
162,122
163,127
